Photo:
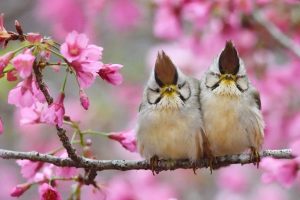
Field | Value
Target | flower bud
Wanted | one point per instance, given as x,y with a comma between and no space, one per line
84,100
20,189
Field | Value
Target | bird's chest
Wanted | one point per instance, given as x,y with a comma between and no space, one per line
167,134
222,119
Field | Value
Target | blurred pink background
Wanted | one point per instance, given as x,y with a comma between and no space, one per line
192,33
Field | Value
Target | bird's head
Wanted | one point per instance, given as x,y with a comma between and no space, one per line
168,87
227,75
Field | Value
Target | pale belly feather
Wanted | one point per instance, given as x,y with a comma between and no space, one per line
169,134
222,117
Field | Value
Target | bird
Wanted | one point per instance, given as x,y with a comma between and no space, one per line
169,120
231,107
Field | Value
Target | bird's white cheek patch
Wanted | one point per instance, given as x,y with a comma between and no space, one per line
242,83
211,80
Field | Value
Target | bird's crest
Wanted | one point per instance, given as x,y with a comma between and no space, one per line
229,60
165,71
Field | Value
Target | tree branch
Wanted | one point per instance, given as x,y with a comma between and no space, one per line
60,131
277,34
124,165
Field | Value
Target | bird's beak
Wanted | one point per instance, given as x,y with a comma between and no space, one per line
169,90
228,79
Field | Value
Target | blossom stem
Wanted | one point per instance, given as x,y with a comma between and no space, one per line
77,130
58,55
92,132
65,64
21,48
65,82
81,138
53,152
73,136
8,69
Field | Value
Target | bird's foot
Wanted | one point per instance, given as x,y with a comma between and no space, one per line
154,164
194,166
212,162
254,156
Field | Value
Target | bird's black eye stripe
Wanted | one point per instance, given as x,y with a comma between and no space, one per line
182,98
157,90
215,86
238,87
181,85
157,100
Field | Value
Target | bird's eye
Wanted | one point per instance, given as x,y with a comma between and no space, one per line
156,90
181,85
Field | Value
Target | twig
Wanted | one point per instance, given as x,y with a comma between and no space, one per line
124,165
277,34
60,131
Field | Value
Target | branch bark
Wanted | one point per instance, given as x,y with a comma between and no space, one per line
60,131
124,165
276,33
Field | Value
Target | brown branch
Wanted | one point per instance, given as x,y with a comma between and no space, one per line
276,33
124,165
60,131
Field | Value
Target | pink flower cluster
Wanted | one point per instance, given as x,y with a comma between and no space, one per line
41,174
85,60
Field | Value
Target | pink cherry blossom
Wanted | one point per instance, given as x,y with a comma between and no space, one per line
32,115
4,60
1,126
283,171
92,53
26,93
166,25
44,175
86,72
84,99
29,168
74,45
20,189
48,192
110,73
84,58
55,112
23,63
34,38
126,139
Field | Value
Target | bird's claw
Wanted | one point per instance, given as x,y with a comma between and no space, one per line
154,164
194,166
254,156
211,163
